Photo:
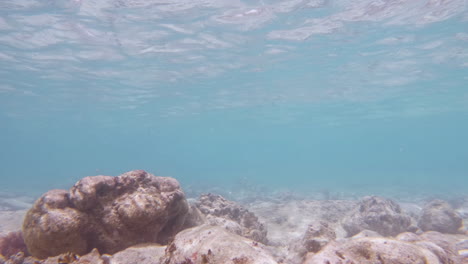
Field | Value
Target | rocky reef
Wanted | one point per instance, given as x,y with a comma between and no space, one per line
378,214
232,216
141,218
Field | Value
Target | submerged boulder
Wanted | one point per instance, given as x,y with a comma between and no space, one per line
407,248
93,257
378,214
232,216
213,244
439,216
315,238
367,250
11,244
107,213
141,254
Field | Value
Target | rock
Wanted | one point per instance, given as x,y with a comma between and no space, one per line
107,213
462,249
217,206
194,216
92,257
408,237
17,258
378,214
317,236
141,254
11,244
407,248
368,250
439,216
32,260
314,239
448,243
212,245
228,224
412,209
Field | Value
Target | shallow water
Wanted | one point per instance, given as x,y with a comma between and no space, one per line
329,96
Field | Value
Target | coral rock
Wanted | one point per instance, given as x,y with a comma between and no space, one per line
18,258
440,216
367,250
316,237
213,245
407,248
194,216
141,254
378,214
11,244
92,257
217,206
107,213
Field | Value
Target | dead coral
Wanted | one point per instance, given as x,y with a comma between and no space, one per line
216,205
11,244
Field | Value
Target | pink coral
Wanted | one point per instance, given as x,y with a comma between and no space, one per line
12,243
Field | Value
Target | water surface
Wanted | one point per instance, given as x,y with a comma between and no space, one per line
294,94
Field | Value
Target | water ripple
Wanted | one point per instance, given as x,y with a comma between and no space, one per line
346,50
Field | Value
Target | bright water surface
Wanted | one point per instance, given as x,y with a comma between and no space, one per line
292,94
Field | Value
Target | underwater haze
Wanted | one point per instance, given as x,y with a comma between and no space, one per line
295,95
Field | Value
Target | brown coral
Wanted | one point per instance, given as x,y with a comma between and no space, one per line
107,213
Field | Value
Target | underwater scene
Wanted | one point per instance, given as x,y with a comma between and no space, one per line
234,131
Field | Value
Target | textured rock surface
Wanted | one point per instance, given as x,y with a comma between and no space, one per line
448,244
315,238
141,254
411,250
378,214
14,259
93,257
107,213
439,216
12,243
369,250
213,245
217,209
194,216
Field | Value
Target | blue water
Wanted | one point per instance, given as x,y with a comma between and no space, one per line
294,94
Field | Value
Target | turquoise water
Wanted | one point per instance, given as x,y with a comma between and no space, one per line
299,95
